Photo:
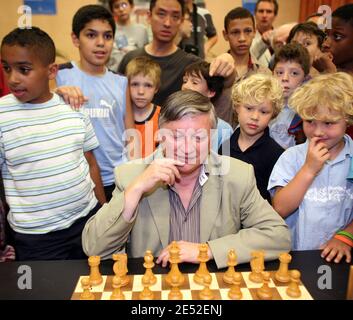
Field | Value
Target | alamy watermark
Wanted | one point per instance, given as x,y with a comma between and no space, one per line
324,281
325,21
24,281
25,20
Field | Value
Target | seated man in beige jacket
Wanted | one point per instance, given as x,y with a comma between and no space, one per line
187,194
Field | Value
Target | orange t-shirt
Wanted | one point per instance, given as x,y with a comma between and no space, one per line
148,130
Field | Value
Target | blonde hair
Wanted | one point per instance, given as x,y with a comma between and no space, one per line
257,89
146,67
332,91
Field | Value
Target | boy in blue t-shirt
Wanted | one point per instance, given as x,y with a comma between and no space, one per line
108,106
46,161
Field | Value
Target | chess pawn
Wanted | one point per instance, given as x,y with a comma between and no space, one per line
146,293
282,275
265,292
206,293
149,264
235,292
293,289
202,272
175,293
120,267
232,262
95,277
86,294
117,292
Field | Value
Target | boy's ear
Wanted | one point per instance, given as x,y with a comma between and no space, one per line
149,16
211,94
225,35
75,40
52,71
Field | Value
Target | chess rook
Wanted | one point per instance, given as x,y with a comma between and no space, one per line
95,277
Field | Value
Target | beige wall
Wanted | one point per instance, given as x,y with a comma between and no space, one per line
59,26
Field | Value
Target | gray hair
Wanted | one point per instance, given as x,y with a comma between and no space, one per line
184,103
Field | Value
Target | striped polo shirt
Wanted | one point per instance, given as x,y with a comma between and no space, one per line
184,223
46,175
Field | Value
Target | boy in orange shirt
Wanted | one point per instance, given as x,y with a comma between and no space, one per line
144,79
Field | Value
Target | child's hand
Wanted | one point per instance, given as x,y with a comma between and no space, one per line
72,96
336,249
317,155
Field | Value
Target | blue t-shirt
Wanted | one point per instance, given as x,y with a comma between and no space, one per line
223,132
106,108
328,203
279,128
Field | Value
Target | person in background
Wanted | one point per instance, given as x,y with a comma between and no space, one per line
202,27
239,32
197,78
166,16
257,100
108,98
308,184
311,37
51,177
291,68
129,35
144,79
266,12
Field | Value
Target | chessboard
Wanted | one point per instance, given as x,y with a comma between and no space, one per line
189,289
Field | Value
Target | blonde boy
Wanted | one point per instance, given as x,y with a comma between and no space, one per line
309,182
257,100
144,79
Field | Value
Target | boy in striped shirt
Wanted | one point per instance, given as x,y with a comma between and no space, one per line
50,175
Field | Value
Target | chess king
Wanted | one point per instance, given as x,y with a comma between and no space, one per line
185,193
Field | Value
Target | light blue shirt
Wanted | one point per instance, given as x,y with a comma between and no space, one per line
223,132
279,128
327,205
106,108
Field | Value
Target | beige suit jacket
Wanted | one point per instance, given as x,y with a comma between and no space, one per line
233,215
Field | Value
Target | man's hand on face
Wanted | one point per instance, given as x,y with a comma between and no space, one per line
160,170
